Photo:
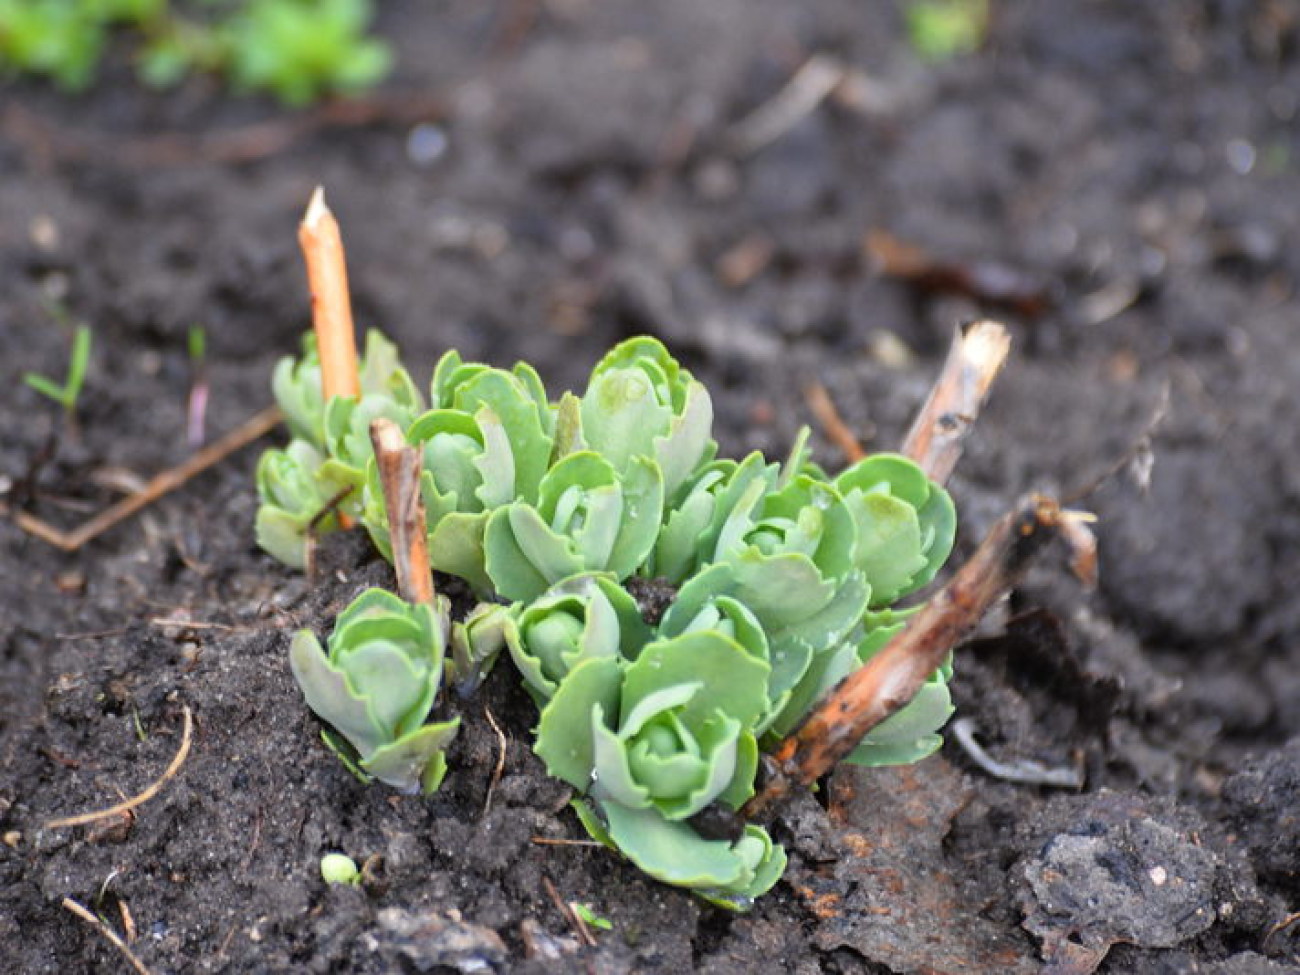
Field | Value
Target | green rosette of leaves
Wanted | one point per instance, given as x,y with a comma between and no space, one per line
331,445
640,403
689,536
581,618
487,443
588,518
296,384
291,501
905,524
347,437
376,686
654,741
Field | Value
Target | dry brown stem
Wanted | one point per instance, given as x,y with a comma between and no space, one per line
331,306
890,679
109,934
974,360
399,474
828,417
160,485
143,797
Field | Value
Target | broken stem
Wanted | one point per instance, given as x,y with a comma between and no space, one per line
331,307
160,485
974,360
399,474
890,679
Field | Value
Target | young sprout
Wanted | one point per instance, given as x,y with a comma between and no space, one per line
67,394
339,868
590,917
197,407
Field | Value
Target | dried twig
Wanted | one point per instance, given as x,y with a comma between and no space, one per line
399,474
832,424
331,306
109,934
890,679
1025,771
939,430
806,89
501,759
1139,458
560,841
565,908
246,143
143,797
162,484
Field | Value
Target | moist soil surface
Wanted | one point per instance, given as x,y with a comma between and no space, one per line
1118,182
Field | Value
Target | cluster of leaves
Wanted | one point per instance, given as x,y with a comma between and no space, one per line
560,514
295,49
942,29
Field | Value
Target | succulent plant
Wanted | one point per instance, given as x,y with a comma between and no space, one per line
670,613
905,524
587,518
291,500
580,618
377,683
641,403
672,730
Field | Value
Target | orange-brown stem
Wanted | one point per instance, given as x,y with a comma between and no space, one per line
888,681
331,306
399,475
974,360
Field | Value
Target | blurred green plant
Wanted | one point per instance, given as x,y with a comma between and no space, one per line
78,362
295,50
942,29
777,581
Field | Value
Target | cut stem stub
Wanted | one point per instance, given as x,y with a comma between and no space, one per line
890,679
399,474
331,305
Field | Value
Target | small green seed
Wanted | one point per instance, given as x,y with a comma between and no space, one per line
338,868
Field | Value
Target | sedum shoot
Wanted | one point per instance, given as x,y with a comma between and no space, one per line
564,515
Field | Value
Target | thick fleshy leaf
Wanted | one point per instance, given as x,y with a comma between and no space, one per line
520,417
396,688
380,372
912,733
282,536
328,694
764,862
824,671
741,786
452,442
415,762
610,776
673,852
733,682
296,386
581,617
523,556
475,643
889,543
717,740
884,535
643,503
781,589
456,546
564,738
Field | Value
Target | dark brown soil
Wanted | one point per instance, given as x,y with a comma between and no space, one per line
1135,169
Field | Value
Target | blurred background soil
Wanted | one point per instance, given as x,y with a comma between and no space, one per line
787,196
